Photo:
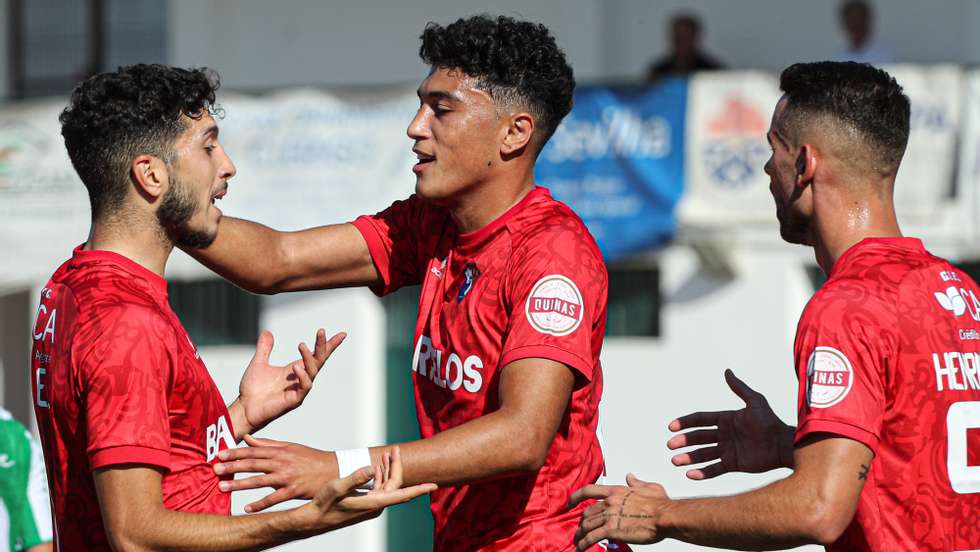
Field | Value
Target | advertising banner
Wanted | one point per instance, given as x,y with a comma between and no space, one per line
618,161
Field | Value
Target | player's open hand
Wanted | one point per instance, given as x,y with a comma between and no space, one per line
751,440
339,504
624,513
294,471
267,392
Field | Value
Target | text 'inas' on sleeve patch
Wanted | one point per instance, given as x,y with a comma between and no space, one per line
829,377
554,305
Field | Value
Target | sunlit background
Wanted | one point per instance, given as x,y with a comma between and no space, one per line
663,162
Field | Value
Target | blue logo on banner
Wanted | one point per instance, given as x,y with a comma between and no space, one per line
618,160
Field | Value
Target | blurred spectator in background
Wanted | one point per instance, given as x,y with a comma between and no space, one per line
25,514
857,20
686,56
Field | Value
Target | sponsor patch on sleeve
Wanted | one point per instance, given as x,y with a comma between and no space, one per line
829,377
554,306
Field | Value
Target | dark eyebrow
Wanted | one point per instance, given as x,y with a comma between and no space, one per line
437,95
210,132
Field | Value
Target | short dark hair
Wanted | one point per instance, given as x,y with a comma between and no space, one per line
689,19
513,61
856,94
114,117
849,5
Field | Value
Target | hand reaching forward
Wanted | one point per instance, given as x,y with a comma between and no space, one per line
294,471
267,392
624,513
751,440
338,504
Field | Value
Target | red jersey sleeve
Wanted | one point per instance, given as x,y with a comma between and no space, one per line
844,343
401,240
556,294
125,376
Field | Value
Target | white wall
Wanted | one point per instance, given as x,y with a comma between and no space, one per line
256,44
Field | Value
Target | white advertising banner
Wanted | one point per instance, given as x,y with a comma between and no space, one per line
968,182
925,179
728,116
304,158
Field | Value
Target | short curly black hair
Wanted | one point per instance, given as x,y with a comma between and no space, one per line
114,117
858,95
516,62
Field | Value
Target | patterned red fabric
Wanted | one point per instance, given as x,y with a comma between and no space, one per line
530,284
888,354
116,380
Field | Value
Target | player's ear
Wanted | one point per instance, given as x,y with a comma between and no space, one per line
518,133
806,165
149,175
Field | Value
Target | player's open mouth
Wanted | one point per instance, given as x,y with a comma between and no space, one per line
424,159
219,194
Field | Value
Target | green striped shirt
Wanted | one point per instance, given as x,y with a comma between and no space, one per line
25,512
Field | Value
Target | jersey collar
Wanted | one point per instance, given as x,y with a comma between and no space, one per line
157,283
473,240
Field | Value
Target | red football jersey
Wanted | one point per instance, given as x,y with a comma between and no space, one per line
888,354
116,380
531,284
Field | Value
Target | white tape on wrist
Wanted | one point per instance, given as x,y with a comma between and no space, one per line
351,460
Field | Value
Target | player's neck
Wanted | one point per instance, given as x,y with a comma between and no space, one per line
843,226
142,243
486,202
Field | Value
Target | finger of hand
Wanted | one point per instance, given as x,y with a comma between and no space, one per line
248,465
320,344
708,472
635,482
591,522
386,473
302,372
396,477
691,438
388,498
744,392
280,495
260,442
593,537
379,478
594,509
263,347
331,346
696,419
590,491
244,453
256,482
698,456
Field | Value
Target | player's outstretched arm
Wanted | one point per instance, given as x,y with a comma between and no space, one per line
814,505
132,509
752,440
263,260
533,393
267,392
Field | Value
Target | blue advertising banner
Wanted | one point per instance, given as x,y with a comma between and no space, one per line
618,160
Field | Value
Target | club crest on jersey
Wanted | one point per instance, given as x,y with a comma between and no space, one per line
470,274
829,377
554,306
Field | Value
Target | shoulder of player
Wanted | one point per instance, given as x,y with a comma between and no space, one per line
849,304
548,225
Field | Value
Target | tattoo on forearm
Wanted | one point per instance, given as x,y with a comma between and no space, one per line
863,474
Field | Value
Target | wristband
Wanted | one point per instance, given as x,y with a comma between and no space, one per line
351,460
